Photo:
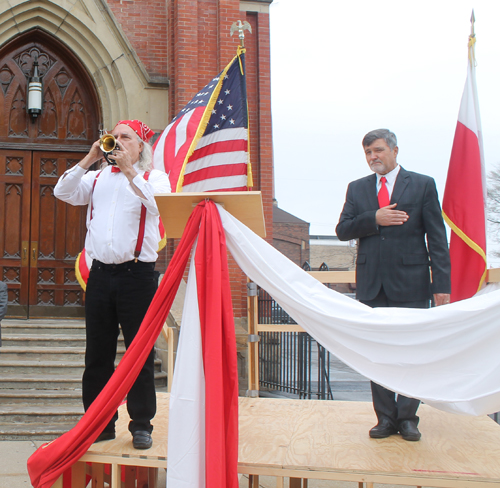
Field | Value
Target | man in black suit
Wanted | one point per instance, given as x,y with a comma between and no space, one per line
396,216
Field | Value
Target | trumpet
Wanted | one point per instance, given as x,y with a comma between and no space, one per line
108,144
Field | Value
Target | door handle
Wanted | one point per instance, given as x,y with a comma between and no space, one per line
24,254
34,254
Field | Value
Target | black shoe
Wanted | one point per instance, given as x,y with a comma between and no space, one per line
409,431
142,439
383,429
105,436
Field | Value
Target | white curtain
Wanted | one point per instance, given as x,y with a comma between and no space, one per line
448,356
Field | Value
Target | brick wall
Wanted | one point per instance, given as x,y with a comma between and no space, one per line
292,240
146,30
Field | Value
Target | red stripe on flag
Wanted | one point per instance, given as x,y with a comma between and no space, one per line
220,147
173,161
215,172
239,188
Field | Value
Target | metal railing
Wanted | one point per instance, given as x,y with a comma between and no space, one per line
291,362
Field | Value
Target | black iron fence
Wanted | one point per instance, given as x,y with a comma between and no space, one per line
291,362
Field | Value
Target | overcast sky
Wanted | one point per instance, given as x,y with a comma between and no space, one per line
341,69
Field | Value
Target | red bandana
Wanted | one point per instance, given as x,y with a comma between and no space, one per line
140,128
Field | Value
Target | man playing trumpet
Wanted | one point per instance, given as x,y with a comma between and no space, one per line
122,241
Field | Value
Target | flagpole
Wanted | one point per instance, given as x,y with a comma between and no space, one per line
472,42
241,27
464,201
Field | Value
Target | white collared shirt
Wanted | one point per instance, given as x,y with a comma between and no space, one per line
391,180
116,208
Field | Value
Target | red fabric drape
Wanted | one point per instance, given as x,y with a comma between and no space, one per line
49,461
219,353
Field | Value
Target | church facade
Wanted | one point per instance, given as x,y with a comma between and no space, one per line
99,62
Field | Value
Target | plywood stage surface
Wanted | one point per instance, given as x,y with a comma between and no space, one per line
329,440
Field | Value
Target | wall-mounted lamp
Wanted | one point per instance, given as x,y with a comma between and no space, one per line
35,91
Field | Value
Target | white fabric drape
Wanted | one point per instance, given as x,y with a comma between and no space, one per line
186,426
448,356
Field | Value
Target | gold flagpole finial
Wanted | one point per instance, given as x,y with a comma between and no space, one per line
472,40
240,27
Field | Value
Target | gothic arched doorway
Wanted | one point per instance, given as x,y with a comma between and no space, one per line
41,236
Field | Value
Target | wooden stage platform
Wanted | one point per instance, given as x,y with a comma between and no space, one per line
313,439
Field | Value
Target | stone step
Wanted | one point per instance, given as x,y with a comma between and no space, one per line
41,397
64,328
33,431
47,367
39,381
51,381
41,366
47,353
42,340
28,413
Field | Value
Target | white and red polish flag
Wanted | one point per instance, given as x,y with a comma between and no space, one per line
464,201
203,412
205,147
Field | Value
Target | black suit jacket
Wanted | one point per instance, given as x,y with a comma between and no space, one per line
397,257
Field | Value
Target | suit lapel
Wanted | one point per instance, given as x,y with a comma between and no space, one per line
371,190
402,181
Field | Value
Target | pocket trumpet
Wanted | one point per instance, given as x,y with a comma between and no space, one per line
108,144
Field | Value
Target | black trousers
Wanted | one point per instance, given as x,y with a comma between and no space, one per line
385,403
118,296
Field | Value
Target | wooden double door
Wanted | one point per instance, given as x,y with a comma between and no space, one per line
40,236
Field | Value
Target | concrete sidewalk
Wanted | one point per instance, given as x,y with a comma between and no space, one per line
13,456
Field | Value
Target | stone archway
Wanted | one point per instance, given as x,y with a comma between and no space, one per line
89,30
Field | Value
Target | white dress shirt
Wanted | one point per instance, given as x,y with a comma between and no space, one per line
391,180
116,208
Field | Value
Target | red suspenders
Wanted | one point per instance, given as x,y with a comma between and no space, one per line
142,221
142,226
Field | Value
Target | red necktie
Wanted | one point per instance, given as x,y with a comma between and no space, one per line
383,194
116,169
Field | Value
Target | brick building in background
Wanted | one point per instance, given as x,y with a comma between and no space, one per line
103,61
290,235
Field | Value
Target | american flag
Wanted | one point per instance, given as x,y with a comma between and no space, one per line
205,147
